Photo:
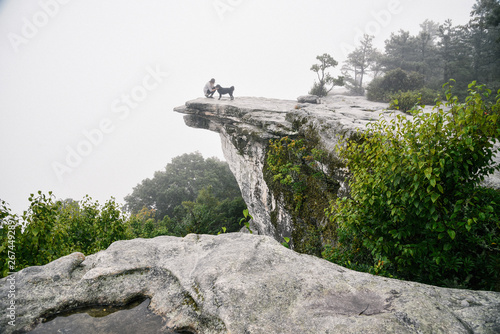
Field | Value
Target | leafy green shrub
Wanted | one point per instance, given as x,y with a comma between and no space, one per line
395,80
380,89
404,101
92,227
417,210
428,96
50,229
144,225
208,214
318,90
376,92
414,81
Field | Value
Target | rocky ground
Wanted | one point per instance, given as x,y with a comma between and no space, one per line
242,283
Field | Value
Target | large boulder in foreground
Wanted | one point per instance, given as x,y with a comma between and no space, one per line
241,283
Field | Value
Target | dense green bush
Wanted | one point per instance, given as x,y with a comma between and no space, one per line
376,92
192,195
50,229
416,208
429,96
318,90
144,225
405,101
180,181
381,89
206,215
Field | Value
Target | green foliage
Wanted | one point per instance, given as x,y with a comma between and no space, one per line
396,80
324,78
417,210
318,90
290,161
50,229
358,63
144,225
440,52
405,101
412,99
285,242
181,181
192,195
428,96
246,220
208,214
376,92
297,170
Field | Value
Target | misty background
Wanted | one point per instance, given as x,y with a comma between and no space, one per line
87,88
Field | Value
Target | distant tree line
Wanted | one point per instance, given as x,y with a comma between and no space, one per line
192,195
421,64
437,54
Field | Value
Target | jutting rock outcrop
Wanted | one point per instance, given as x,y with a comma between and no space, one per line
242,283
247,124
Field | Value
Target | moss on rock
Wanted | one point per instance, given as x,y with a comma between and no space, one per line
306,193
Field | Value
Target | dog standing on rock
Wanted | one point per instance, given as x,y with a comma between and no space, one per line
223,91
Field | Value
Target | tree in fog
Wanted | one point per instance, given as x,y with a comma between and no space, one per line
325,79
358,63
427,57
181,181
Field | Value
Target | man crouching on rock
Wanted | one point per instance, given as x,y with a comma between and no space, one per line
209,88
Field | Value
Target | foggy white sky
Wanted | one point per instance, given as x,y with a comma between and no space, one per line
87,87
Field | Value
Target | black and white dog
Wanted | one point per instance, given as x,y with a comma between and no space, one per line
223,91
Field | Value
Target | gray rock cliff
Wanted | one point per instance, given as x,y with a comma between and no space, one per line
246,125
242,283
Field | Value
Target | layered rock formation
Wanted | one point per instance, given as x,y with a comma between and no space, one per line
241,283
247,124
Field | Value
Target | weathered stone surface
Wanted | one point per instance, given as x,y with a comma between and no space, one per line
245,128
246,125
242,283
